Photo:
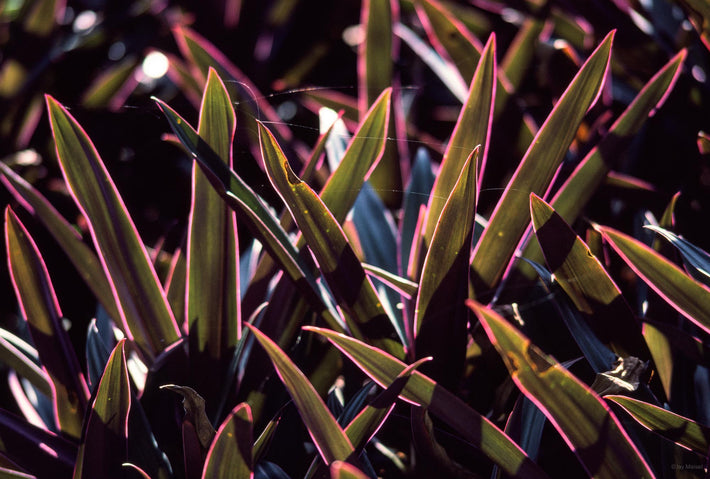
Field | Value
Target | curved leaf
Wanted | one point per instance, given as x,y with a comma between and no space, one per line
82,257
143,307
38,302
328,437
688,296
230,456
696,258
537,169
24,365
213,311
103,450
338,263
586,424
681,430
383,368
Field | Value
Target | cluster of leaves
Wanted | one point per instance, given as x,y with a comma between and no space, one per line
344,311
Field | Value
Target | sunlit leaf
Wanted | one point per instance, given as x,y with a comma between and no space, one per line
586,424
383,368
25,365
537,169
586,282
142,304
213,313
39,306
109,89
241,198
329,438
343,470
403,285
472,129
338,263
688,296
82,257
103,450
574,194
440,321
230,456
683,431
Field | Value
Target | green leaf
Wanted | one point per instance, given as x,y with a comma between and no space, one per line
688,296
103,450
659,345
375,65
143,307
521,51
343,470
338,263
82,257
230,456
328,437
583,278
40,308
587,425
472,129
453,37
241,198
681,430
383,368
537,169
575,193
440,320
361,157
108,89
213,311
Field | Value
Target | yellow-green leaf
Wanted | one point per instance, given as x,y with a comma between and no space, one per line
230,456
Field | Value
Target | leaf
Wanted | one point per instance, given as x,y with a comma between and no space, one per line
112,86
328,437
230,455
143,308
36,450
585,281
416,194
578,189
241,198
194,406
440,320
521,51
383,368
343,470
361,156
681,430
402,285
697,259
472,129
444,70
213,310
11,474
449,36
338,263
82,257
103,450
40,308
586,424
25,366
537,169
688,296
